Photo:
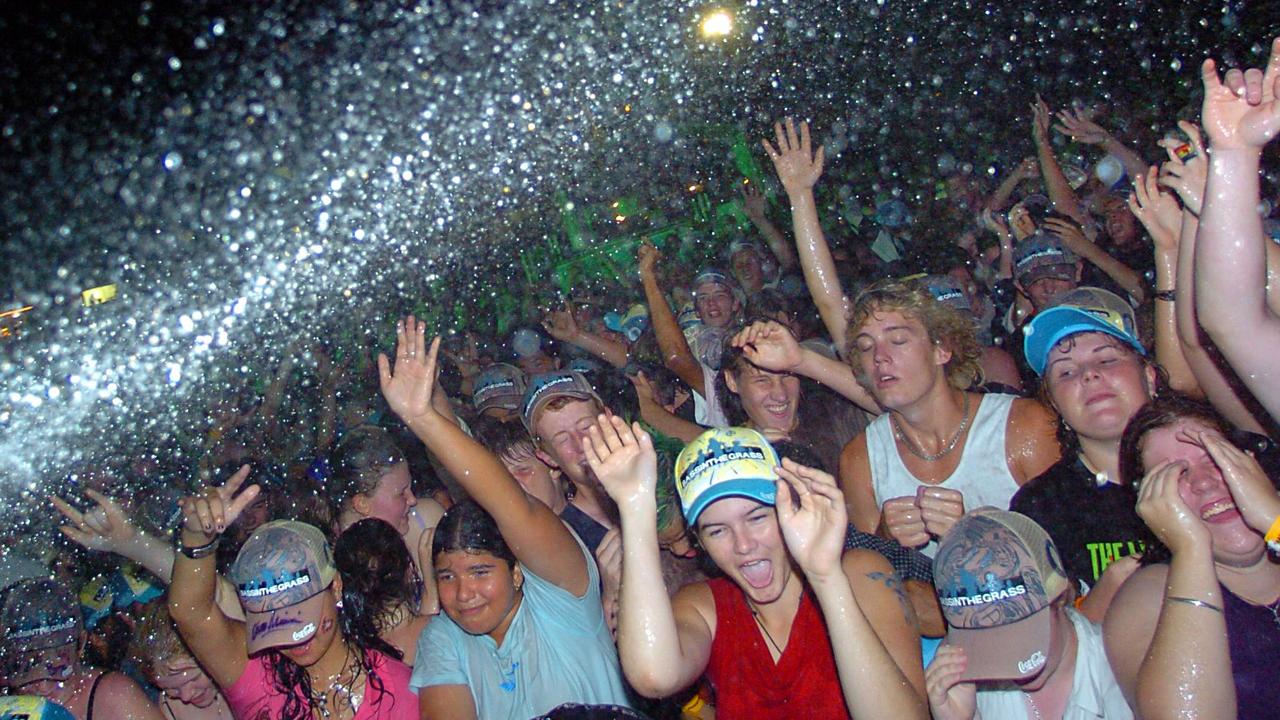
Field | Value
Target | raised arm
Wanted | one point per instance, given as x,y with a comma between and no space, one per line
1060,193
1159,213
1028,169
664,645
537,537
753,204
676,354
799,167
1080,127
657,416
215,640
1240,117
770,345
873,638
1073,238
563,326
107,528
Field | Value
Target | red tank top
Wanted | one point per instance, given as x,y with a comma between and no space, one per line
748,684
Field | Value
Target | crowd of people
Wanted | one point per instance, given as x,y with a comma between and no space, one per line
1032,475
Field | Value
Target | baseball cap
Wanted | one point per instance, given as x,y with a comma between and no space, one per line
1085,309
548,386
499,385
1042,256
946,290
725,462
39,617
31,707
632,323
996,573
280,575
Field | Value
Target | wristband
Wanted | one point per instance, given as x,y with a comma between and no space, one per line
200,551
1273,536
1166,295
1194,602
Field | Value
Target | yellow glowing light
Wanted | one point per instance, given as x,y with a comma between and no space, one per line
620,218
695,188
717,23
98,295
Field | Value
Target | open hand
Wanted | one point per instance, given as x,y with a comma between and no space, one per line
949,697
408,390
1251,490
797,165
1163,510
105,527
814,533
769,345
1188,176
753,201
1241,111
1079,127
211,511
1040,120
1157,210
623,459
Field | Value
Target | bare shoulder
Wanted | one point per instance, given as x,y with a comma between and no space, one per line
694,602
1031,439
854,460
1029,414
120,697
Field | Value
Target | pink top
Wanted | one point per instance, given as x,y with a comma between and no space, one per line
253,696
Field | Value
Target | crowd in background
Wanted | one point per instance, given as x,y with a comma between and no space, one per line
1014,459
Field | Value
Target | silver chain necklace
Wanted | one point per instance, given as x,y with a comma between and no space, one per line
946,449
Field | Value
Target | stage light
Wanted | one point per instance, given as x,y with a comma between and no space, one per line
717,24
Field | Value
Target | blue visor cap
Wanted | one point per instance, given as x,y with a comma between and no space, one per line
1051,326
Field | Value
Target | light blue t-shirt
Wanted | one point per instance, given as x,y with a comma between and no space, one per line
557,650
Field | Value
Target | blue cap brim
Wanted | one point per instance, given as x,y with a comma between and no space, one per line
755,489
1053,325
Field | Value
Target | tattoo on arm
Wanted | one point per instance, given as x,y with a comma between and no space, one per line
891,581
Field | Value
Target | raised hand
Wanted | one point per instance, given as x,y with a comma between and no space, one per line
1188,176
1241,111
814,532
211,511
1028,169
769,345
949,698
561,324
753,201
1067,231
940,509
1077,125
1040,120
902,519
105,527
623,459
797,165
1157,210
1251,490
1163,511
647,257
408,390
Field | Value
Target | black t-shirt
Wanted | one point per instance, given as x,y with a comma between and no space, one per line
1091,525
589,531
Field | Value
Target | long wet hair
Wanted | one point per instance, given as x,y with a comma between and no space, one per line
359,462
375,565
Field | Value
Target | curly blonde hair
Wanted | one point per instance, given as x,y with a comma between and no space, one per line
944,325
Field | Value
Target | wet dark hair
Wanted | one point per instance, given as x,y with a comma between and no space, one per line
359,462
503,439
374,564
1068,440
469,528
1165,410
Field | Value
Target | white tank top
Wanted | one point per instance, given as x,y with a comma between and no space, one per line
982,476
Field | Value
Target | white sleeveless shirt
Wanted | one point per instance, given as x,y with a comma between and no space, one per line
982,476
